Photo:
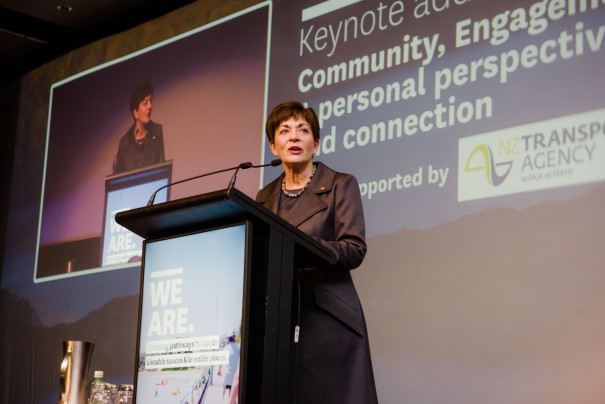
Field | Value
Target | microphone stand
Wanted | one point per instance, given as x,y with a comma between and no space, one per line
242,165
232,181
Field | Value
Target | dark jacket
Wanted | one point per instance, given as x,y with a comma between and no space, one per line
132,155
333,363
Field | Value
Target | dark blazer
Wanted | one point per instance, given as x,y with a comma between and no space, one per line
132,155
333,363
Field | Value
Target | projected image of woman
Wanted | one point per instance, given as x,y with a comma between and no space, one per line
143,143
333,363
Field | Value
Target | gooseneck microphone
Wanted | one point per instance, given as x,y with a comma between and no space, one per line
244,166
273,163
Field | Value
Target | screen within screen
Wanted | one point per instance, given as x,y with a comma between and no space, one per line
125,192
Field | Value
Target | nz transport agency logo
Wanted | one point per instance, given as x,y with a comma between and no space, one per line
482,159
557,152
486,164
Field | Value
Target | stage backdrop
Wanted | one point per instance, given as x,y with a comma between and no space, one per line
476,131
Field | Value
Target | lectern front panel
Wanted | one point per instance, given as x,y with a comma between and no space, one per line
192,310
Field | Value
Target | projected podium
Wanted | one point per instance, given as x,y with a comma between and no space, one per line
216,289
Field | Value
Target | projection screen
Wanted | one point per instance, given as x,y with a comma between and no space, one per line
476,131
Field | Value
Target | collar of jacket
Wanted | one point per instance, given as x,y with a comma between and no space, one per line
309,202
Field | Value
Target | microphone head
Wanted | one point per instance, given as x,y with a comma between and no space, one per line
275,163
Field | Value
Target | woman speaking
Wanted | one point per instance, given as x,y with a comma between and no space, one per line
333,363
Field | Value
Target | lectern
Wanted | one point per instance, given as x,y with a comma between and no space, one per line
217,270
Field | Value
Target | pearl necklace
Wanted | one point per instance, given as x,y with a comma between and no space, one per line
300,191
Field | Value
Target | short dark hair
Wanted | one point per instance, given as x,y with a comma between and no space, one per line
287,110
139,93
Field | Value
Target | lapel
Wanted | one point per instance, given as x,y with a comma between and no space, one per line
269,196
310,202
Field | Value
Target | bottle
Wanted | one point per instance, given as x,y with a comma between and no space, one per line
96,382
99,393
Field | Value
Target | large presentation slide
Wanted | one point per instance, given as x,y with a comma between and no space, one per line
476,130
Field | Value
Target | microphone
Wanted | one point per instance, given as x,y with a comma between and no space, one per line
242,165
273,163
232,181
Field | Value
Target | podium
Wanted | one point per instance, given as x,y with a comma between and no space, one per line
271,250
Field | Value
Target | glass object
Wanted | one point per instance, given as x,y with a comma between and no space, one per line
113,392
125,394
101,394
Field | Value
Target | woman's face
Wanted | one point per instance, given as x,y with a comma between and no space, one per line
143,112
294,143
